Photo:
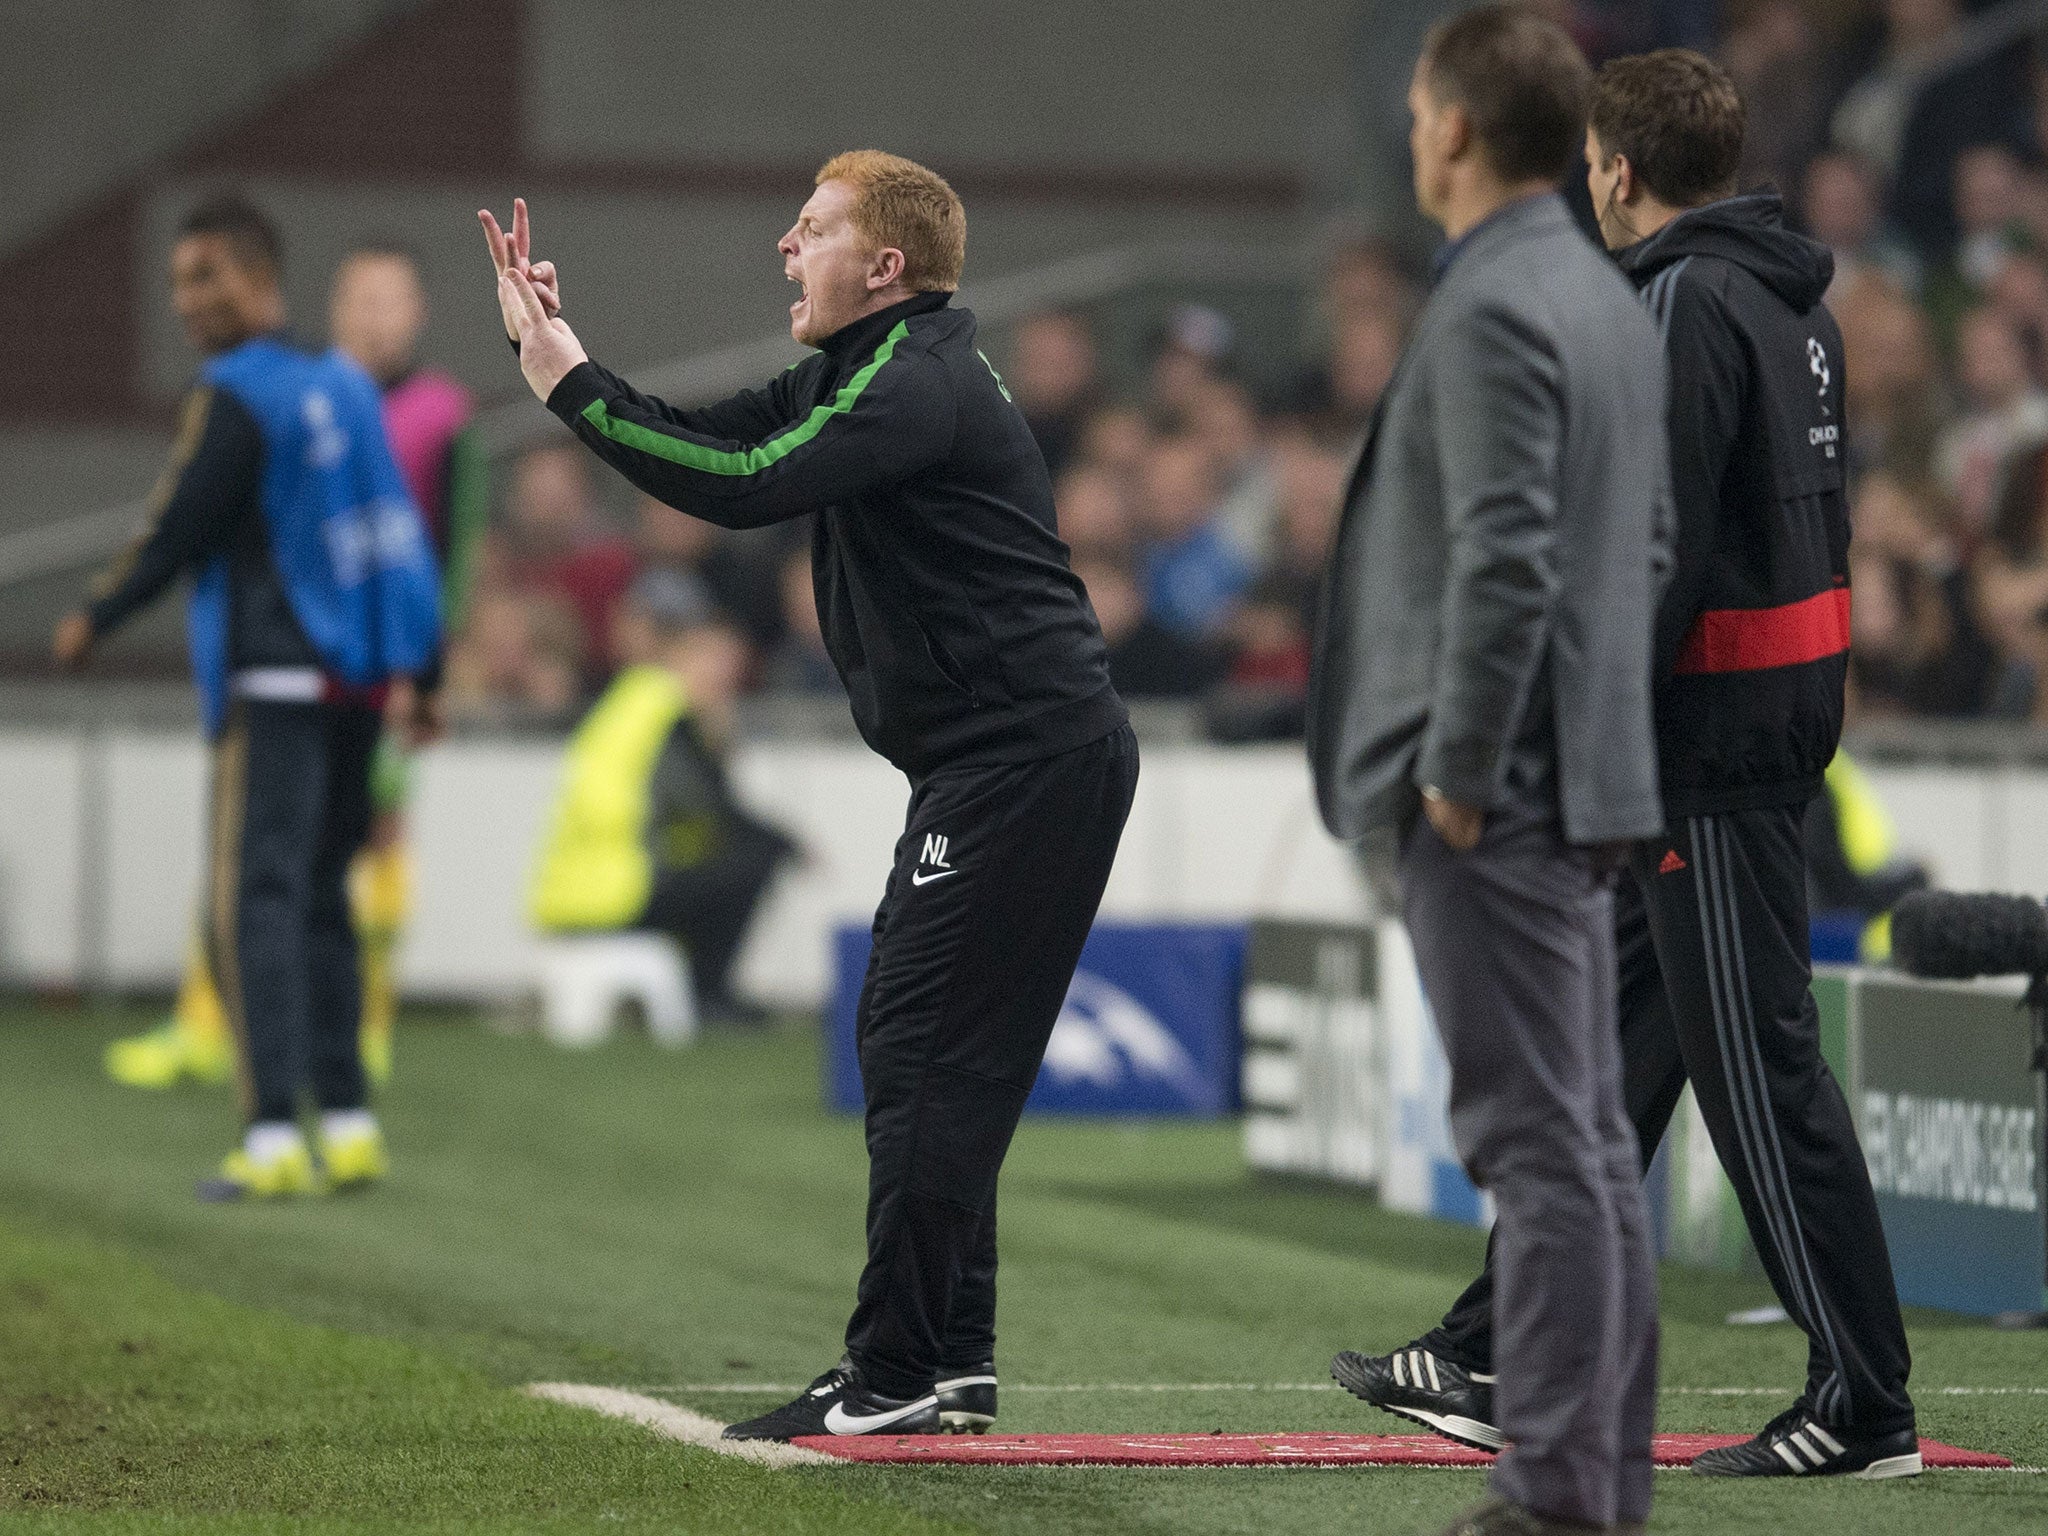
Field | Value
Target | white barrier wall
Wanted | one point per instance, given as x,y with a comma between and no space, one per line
43,906
101,837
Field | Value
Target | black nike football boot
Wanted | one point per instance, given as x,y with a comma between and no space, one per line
837,1404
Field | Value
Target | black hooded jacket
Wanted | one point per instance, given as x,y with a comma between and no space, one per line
1753,632
943,589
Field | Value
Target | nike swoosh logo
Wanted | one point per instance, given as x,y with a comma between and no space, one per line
839,1422
921,878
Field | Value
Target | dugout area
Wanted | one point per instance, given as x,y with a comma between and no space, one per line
685,1226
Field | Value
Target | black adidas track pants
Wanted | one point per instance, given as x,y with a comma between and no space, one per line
995,884
1714,975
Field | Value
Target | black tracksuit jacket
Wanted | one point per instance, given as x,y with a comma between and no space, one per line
1753,632
943,589
208,502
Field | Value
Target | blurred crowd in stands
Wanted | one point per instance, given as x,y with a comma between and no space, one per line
1198,505
1911,136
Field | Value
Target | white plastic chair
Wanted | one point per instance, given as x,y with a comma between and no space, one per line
585,979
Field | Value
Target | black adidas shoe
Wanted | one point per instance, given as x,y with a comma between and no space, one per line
967,1401
1795,1444
837,1404
1412,1382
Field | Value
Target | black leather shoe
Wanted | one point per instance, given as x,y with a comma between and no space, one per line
1432,1391
967,1400
837,1404
1795,1444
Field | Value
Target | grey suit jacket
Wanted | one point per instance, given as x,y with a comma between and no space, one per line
1510,518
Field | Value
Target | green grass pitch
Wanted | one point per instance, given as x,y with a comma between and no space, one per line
692,1221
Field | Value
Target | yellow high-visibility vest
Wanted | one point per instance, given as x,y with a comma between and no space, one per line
594,869
1864,827
1862,822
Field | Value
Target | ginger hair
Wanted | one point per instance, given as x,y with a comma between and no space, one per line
897,202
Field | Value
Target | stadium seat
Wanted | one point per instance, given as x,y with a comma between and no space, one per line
586,979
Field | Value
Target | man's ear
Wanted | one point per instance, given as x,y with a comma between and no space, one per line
1625,183
885,269
1456,131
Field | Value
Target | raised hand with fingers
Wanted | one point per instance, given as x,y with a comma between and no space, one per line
513,253
548,349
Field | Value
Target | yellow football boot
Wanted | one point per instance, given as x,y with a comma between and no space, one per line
284,1174
354,1158
193,1044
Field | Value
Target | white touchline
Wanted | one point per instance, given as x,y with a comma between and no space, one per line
673,1423
1918,1391
766,1387
779,1387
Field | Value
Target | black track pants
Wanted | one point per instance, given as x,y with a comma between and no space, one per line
291,808
996,881
1715,986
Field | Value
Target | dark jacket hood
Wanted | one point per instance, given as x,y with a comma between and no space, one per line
1748,231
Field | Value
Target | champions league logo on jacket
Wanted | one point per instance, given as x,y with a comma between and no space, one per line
383,536
326,443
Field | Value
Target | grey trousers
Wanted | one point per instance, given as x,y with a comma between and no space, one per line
1515,944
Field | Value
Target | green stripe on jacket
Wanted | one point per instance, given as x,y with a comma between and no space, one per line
749,461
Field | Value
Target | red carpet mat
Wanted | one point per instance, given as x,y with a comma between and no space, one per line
1249,1450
